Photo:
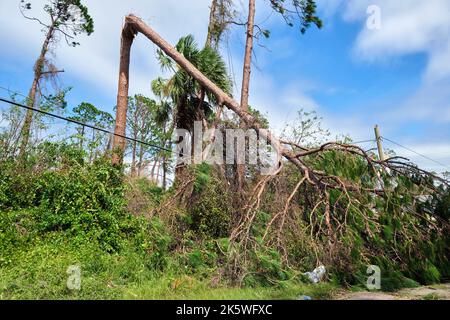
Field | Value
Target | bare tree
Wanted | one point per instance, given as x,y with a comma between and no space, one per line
222,14
67,17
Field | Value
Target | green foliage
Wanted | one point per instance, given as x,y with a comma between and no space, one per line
153,238
70,17
14,234
183,90
202,176
262,119
304,10
85,201
267,268
210,213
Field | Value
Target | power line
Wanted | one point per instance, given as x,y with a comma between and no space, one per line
83,124
21,94
417,153
14,92
365,141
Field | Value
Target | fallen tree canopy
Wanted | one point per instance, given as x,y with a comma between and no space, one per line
134,25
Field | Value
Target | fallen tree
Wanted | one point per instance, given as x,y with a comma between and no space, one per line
318,186
134,25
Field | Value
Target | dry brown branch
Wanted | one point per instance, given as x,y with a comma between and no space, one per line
286,208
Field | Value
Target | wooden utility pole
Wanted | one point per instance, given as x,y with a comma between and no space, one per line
379,143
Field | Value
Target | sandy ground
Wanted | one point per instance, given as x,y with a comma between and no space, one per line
434,292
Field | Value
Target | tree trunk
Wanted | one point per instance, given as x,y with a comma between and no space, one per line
200,116
248,55
212,23
38,70
108,145
135,136
133,159
212,137
246,80
141,157
26,129
122,95
134,24
81,142
91,151
164,181
157,171
152,173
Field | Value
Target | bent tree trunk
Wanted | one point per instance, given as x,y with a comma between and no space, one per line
132,26
26,129
38,71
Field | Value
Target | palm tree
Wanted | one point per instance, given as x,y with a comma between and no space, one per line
191,102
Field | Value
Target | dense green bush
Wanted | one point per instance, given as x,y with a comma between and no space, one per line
82,200
153,238
211,206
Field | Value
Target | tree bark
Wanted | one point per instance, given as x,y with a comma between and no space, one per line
38,70
92,148
152,173
248,55
122,94
212,23
81,142
246,80
164,181
158,167
134,23
141,157
135,136
133,159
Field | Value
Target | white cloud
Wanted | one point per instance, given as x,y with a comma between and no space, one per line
411,27
406,27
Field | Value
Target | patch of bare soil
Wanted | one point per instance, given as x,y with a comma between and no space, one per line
433,292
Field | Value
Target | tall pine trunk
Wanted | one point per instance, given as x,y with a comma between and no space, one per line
135,136
246,80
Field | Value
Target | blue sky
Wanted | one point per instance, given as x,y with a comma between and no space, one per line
354,77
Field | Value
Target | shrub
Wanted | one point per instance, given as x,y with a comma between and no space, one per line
211,206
